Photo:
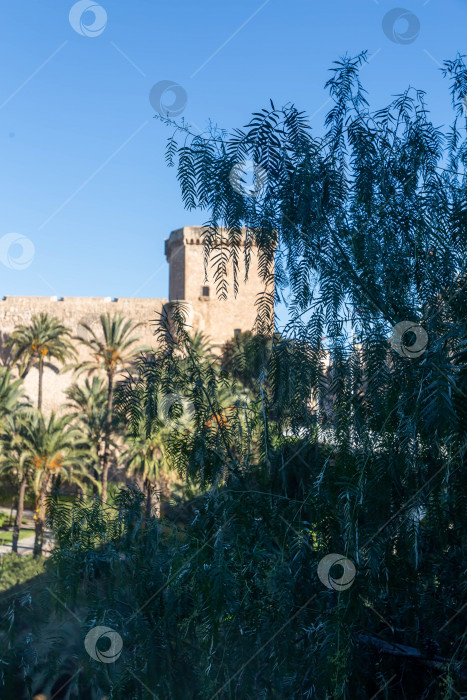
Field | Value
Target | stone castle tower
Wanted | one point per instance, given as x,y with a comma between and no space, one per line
219,320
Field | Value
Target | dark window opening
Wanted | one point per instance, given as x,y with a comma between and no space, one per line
205,291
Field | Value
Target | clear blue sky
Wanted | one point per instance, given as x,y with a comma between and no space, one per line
82,159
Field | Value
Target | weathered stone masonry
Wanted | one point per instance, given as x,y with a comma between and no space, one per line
217,319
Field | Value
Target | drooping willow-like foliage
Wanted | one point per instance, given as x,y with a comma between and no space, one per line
336,435
364,230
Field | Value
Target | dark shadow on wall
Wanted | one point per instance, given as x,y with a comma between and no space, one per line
5,352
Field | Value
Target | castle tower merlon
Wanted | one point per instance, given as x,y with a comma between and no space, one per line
190,235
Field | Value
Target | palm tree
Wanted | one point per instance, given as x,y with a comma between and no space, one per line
54,448
12,400
201,346
15,460
146,460
89,405
44,338
112,348
11,392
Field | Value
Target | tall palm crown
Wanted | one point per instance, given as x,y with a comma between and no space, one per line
11,392
146,454
88,402
54,448
12,434
112,349
44,339
53,444
37,450
147,460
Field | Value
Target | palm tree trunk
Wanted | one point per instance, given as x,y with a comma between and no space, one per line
98,463
148,500
19,513
108,427
40,516
157,499
153,500
41,377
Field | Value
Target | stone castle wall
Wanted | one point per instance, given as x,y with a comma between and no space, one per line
218,319
71,311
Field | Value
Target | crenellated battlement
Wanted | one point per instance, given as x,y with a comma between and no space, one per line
73,300
187,236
